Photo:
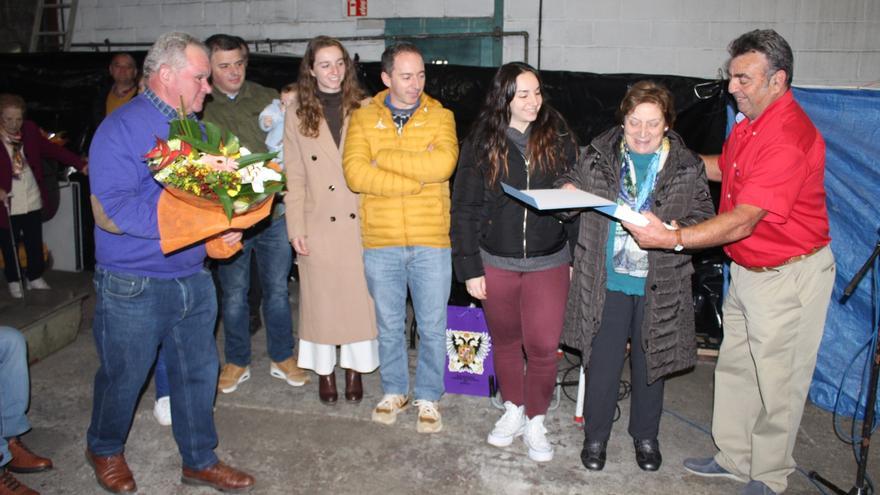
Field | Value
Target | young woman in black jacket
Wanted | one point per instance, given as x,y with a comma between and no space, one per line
514,259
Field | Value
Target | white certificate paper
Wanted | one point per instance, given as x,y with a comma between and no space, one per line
566,199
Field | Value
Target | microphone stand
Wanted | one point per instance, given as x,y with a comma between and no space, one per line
861,484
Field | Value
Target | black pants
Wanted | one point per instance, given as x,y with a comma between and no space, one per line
622,319
27,229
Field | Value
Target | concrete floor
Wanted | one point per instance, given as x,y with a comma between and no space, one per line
293,444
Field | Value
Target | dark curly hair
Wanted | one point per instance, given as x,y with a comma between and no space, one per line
549,134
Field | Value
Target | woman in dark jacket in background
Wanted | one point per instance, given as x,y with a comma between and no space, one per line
514,259
620,292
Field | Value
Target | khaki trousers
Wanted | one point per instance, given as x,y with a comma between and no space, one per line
773,323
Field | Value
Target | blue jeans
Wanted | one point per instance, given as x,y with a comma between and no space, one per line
14,388
160,376
134,315
428,274
272,249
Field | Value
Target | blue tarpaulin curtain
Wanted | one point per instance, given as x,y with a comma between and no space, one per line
849,120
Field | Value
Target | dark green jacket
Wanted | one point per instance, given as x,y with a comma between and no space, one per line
241,115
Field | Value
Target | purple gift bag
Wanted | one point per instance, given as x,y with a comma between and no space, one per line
469,366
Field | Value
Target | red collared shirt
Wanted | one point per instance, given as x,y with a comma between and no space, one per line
777,163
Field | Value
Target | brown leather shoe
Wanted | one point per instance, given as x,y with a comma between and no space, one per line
354,387
25,461
11,486
112,472
327,388
220,477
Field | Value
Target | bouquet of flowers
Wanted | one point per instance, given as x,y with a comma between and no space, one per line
200,166
211,184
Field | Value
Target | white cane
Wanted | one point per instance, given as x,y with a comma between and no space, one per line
7,204
579,406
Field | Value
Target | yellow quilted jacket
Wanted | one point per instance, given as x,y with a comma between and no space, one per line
403,179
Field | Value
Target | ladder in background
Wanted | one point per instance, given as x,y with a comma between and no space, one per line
64,34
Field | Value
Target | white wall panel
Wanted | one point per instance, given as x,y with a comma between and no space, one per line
836,42
464,8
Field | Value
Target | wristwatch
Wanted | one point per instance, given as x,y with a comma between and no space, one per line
679,246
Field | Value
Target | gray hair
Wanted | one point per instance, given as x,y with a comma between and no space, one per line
771,44
169,49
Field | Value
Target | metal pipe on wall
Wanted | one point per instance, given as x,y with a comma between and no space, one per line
540,28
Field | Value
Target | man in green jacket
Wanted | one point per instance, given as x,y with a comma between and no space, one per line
235,106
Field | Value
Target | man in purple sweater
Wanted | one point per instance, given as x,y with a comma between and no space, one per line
146,298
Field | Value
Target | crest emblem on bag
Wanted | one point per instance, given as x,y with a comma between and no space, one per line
467,350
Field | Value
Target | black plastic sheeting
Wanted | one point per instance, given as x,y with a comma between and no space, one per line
588,101
61,88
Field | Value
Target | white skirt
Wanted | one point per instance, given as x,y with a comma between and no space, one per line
362,356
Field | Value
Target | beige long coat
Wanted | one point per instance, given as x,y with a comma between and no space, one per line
335,306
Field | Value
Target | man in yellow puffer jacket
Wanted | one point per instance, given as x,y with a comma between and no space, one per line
399,153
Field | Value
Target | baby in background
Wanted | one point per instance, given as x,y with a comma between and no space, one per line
272,121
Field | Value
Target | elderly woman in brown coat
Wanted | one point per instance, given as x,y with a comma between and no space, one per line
335,307
620,292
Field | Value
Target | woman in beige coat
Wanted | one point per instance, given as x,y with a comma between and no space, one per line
335,307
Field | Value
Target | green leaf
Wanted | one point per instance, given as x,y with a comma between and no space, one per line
273,187
199,145
192,129
225,200
232,144
213,135
174,130
246,160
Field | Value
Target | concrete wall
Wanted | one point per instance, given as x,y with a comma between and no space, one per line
143,20
836,42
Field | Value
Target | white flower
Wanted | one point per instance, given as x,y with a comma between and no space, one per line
164,173
256,174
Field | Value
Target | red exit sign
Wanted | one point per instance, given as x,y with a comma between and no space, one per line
357,8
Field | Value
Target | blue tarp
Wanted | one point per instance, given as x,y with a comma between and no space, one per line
849,120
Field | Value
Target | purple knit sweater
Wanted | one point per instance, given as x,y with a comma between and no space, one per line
120,179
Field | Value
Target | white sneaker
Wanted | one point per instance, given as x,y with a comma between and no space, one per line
37,284
15,290
535,438
162,411
510,426
429,420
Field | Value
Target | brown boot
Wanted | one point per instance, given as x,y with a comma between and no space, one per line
25,461
220,477
354,387
327,388
11,486
112,472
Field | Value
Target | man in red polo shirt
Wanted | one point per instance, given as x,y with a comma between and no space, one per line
774,225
